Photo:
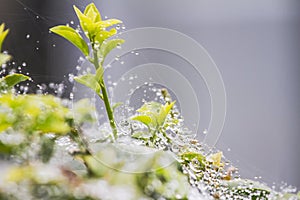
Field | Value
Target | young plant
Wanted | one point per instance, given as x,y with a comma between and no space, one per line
153,115
96,31
9,81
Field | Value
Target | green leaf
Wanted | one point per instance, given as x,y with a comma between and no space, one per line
4,58
90,81
157,112
187,157
3,35
109,45
103,35
92,13
143,119
107,23
86,24
71,35
164,111
11,80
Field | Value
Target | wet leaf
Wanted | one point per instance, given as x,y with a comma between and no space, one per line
104,35
107,23
86,23
164,111
11,80
154,114
143,119
92,13
109,45
71,35
90,81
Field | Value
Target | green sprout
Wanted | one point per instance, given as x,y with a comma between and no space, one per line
95,30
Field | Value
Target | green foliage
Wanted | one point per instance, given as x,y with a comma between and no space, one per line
33,113
188,157
74,37
95,29
153,114
11,80
3,34
248,189
90,81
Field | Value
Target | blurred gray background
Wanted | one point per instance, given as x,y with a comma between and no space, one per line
255,44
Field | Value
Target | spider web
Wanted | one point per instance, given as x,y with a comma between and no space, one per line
44,56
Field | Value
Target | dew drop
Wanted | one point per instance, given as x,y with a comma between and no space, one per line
27,36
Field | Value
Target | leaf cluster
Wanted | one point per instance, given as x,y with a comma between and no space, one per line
96,31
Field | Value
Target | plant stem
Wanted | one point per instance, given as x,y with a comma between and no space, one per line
109,111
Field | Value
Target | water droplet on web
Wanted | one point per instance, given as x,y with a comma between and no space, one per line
78,68
24,64
71,22
27,36
205,131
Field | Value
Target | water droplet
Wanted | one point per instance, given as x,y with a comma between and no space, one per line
78,68
27,36
205,131
71,22
24,64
